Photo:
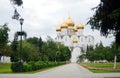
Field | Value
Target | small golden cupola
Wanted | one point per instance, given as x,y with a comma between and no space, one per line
58,29
64,25
75,29
70,22
80,26
75,40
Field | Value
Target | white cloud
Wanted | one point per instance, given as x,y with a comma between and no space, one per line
43,16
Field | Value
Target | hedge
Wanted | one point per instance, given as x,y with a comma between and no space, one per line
32,66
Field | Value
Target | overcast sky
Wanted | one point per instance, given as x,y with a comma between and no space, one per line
41,17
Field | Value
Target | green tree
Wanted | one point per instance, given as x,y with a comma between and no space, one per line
15,53
41,53
33,40
17,2
89,53
65,53
3,35
29,52
4,47
40,43
55,51
97,54
107,18
109,55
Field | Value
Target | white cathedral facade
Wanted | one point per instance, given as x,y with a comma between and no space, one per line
71,35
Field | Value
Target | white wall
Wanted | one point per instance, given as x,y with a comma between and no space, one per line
75,53
5,59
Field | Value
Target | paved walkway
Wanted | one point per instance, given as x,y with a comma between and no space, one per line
67,71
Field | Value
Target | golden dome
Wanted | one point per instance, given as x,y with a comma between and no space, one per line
75,40
80,26
70,22
58,29
64,25
75,29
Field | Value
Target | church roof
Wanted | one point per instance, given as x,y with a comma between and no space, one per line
64,25
58,28
75,29
80,26
69,22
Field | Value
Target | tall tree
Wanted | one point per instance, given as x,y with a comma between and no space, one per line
29,52
107,18
3,35
33,40
4,48
55,51
15,53
40,43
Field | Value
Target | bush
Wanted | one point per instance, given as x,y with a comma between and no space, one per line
27,67
32,66
15,67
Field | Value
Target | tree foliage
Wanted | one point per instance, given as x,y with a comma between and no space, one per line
33,40
40,43
3,35
107,18
101,53
15,53
17,2
4,47
34,49
55,51
29,52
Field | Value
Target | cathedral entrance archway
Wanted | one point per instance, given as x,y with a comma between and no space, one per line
75,53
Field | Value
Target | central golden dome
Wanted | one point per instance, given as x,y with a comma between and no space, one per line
70,22
75,40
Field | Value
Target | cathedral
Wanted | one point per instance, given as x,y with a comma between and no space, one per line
71,35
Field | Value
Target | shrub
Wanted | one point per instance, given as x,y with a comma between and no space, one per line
27,67
32,66
15,67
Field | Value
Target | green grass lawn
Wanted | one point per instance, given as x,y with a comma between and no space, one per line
5,68
104,71
101,67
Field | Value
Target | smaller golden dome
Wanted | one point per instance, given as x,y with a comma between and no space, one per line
58,29
75,29
75,40
64,25
80,26
70,22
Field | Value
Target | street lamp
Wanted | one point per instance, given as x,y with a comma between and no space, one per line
20,65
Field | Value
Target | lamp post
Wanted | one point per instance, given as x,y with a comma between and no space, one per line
21,23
